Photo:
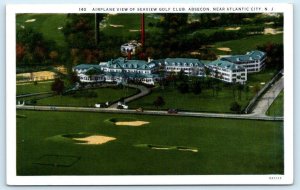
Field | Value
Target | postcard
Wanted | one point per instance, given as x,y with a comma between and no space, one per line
149,94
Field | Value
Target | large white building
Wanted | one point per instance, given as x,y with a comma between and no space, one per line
253,61
89,73
227,71
119,70
232,69
192,67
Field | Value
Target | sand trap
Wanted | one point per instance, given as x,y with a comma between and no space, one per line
269,23
59,28
95,139
195,53
189,149
31,20
224,49
262,83
116,25
134,30
131,123
272,31
157,148
233,28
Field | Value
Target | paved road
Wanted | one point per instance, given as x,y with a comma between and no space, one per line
268,98
149,112
143,92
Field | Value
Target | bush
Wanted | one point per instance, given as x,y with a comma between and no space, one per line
235,107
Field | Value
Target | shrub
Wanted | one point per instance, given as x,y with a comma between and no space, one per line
235,107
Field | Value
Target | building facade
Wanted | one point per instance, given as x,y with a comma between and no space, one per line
191,67
227,71
253,61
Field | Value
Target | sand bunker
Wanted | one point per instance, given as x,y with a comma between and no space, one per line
233,28
272,31
195,53
31,20
116,25
269,23
59,28
224,49
131,123
95,139
134,30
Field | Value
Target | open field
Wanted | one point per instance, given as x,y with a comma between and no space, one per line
47,24
45,147
103,95
241,46
126,25
276,109
30,87
205,101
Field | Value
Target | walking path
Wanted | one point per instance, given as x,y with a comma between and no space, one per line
148,112
268,98
143,92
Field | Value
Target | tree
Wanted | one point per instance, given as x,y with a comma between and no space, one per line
58,86
235,107
33,48
73,77
256,88
196,88
183,88
159,102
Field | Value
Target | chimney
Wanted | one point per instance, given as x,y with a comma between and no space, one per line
128,55
143,30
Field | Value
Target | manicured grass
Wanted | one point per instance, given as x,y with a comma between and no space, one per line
224,146
103,95
30,87
261,78
127,22
47,24
204,102
241,46
276,109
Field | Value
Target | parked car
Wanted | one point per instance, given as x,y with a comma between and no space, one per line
122,106
98,105
172,111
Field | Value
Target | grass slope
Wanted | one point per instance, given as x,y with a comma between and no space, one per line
276,109
47,24
241,46
224,146
103,95
28,88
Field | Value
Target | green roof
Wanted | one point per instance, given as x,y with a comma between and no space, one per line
182,61
225,65
250,56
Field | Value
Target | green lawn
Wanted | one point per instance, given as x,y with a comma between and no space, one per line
47,24
127,25
204,102
241,46
261,78
276,109
28,88
224,146
103,95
